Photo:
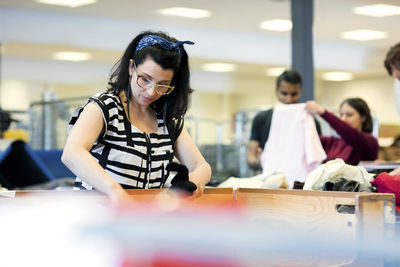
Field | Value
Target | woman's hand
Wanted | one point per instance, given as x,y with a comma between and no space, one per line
200,186
189,155
314,108
119,196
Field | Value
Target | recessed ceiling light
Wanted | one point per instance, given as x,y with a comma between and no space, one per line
185,12
72,56
363,35
378,10
280,25
337,76
219,67
275,71
68,3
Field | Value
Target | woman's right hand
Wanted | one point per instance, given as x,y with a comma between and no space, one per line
119,196
314,108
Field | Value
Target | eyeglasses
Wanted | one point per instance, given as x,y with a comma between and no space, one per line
145,83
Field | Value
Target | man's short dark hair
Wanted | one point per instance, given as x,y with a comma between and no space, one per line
392,58
289,76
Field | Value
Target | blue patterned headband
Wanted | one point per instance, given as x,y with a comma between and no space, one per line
148,40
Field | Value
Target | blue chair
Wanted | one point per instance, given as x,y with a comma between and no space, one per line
51,160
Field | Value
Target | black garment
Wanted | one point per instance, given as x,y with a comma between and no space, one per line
181,180
20,168
262,125
298,185
342,185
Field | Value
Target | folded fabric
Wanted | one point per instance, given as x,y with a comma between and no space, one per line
259,181
181,181
386,183
336,168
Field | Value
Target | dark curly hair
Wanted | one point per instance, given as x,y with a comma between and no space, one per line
362,108
172,106
392,58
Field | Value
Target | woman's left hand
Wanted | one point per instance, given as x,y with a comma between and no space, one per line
200,187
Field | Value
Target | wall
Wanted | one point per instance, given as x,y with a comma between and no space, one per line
17,95
377,92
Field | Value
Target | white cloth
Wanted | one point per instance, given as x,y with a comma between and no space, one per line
336,168
258,181
293,146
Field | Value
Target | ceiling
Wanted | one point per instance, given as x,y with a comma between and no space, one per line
32,32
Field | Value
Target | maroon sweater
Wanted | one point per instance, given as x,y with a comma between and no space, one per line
353,146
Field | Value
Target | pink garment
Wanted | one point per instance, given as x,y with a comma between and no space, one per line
293,145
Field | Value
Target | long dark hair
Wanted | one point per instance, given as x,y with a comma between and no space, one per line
362,108
176,103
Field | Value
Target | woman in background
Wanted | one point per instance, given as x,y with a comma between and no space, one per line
354,127
126,136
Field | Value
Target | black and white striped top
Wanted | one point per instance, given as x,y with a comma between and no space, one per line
133,158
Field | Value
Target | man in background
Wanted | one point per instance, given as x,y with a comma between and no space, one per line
288,91
392,61
5,121
392,65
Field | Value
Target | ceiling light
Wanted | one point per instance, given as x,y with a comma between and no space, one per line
363,35
337,76
378,10
185,12
275,71
72,56
219,67
68,3
280,25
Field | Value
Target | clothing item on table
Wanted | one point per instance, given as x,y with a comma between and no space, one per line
259,181
342,184
298,185
386,183
335,169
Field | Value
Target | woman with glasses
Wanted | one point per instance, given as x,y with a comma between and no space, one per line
126,136
354,126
